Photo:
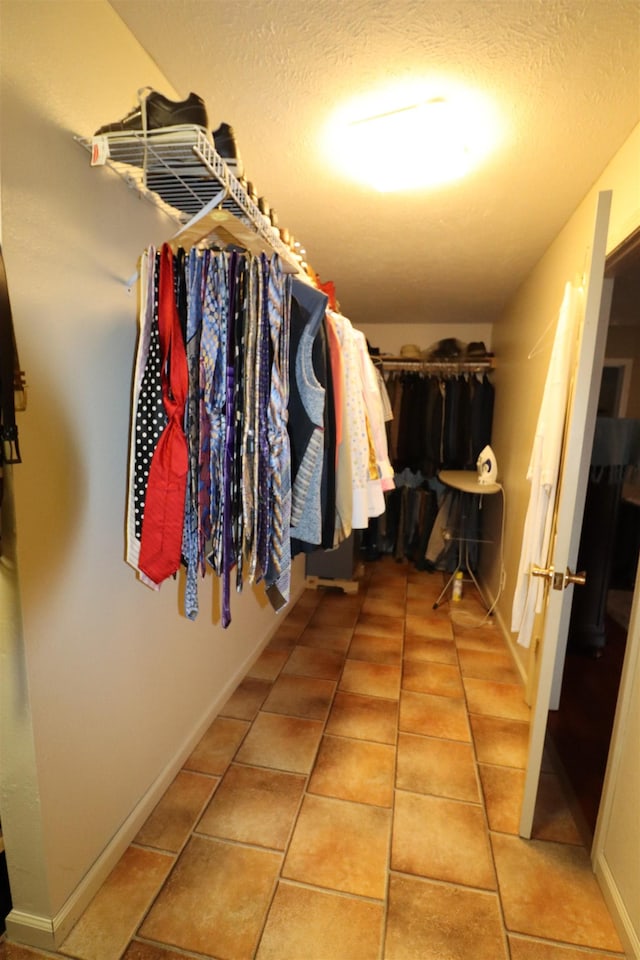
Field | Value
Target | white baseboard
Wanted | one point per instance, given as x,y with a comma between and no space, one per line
49,932
619,913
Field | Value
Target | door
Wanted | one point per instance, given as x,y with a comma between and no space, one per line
572,484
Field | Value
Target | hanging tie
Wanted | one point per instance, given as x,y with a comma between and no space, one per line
163,519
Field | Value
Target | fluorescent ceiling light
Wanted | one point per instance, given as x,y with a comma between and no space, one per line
411,139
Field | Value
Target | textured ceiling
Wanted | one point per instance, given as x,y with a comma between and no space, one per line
564,76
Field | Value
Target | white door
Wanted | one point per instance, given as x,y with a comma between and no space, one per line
572,485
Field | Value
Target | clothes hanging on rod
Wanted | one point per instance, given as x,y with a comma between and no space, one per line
441,421
257,424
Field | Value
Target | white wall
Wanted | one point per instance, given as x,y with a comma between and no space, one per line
109,683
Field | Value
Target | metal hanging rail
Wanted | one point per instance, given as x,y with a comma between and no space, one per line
450,367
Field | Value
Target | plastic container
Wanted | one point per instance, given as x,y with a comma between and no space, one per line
456,592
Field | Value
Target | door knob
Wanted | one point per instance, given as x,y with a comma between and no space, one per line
578,578
560,580
546,572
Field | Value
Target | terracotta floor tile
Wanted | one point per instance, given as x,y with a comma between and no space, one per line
440,679
553,819
549,890
216,749
496,699
434,716
445,768
424,587
365,718
335,639
286,636
254,805
300,614
212,886
523,949
502,742
300,697
371,679
317,925
247,699
488,665
105,928
429,648
502,788
442,840
282,743
354,770
268,665
434,626
485,639
387,606
340,616
137,950
314,662
382,589
169,825
376,649
435,921
14,951
378,625
341,846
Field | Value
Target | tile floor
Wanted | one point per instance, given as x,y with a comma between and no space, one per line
357,799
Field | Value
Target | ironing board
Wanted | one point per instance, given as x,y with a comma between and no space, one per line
467,482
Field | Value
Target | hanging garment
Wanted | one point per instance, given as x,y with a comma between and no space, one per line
162,524
250,431
212,411
543,470
278,574
196,269
149,418
367,493
306,416
375,413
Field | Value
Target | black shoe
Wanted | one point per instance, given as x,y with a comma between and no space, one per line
160,113
225,143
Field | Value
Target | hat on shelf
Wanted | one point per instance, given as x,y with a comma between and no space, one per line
477,350
411,351
447,349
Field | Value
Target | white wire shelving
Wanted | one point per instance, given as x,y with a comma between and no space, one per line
178,169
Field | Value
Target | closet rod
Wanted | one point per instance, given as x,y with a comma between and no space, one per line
435,366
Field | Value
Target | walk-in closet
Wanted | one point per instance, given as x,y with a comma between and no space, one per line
319,380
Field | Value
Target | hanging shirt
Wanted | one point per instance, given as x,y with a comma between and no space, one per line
543,470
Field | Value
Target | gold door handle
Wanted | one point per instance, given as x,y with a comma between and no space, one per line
559,580
546,572
578,578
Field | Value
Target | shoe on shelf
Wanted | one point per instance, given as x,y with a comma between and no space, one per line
155,112
225,143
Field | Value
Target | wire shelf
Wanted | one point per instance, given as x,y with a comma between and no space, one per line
178,169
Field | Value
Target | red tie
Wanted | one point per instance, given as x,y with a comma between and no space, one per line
161,536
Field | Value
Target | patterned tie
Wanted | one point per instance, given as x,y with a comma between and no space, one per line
195,273
278,577
263,375
250,425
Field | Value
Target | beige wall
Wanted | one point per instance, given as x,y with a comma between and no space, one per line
109,685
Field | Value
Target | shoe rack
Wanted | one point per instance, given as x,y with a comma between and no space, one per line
178,169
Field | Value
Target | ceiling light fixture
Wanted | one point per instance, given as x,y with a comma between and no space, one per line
425,142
